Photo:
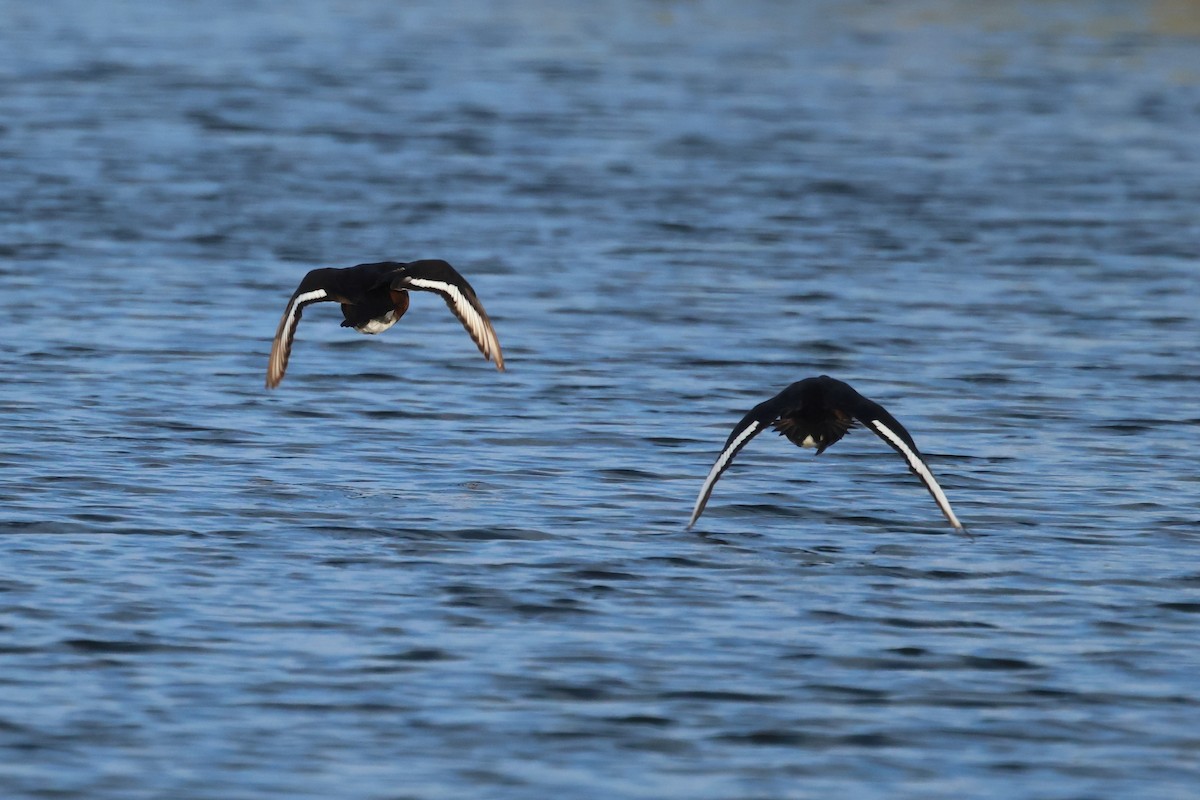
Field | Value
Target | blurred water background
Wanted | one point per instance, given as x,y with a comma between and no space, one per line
405,575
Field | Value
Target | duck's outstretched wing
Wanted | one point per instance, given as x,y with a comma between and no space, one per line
755,422
876,418
313,289
437,276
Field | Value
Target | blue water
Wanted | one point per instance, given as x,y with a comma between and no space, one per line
406,575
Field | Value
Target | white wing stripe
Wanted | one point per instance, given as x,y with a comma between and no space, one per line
922,470
283,339
307,297
476,325
717,468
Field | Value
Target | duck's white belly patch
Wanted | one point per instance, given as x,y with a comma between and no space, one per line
379,324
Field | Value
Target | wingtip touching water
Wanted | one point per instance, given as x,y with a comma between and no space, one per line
373,297
816,413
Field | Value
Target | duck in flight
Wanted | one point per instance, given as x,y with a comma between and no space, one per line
375,296
817,412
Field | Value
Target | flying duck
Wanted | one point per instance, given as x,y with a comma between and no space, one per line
817,412
375,296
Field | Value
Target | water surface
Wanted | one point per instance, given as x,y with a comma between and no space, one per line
405,575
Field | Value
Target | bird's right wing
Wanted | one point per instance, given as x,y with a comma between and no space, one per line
755,422
281,348
437,276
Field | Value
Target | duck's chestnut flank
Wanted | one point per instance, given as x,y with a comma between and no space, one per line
374,297
817,412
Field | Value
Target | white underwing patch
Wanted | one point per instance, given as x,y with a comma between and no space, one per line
476,325
719,466
921,469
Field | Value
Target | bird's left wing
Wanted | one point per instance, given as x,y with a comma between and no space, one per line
755,422
886,427
438,276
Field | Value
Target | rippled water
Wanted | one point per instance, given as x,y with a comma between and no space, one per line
405,575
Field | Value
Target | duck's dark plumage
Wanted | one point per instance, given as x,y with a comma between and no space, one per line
374,297
817,412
